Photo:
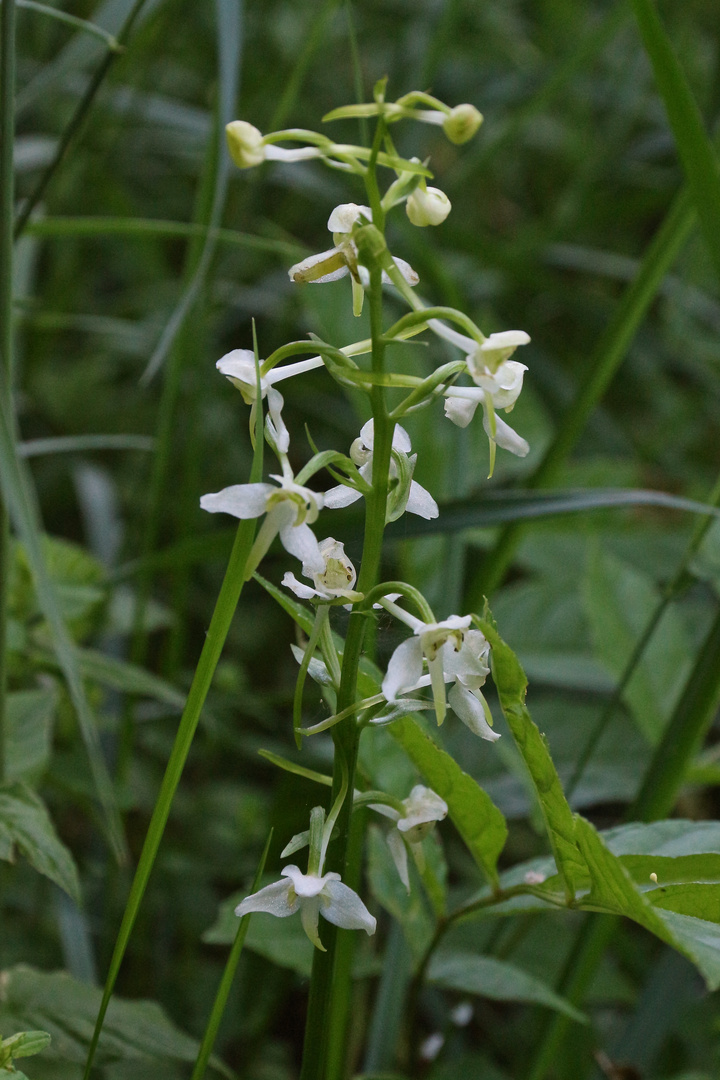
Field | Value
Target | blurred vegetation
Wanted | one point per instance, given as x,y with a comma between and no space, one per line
554,206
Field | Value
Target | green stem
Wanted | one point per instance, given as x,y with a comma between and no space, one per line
76,120
7,195
328,1002
219,626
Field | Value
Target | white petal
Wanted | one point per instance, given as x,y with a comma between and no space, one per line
405,269
343,907
306,885
507,438
421,502
277,430
273,899
460,410
240,500
340,496
401,440
301,542
404,669
303,591
505,339
367,434
311,269
450,334
344,217
468,709
399,856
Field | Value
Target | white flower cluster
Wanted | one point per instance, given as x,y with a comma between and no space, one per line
439,654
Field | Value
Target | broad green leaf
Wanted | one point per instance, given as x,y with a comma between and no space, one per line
701,900
475,816
410,909
612,890
511,686
619,600
66,1008
78,579
29,727
496,979
25,824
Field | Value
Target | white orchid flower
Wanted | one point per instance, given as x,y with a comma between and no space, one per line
423,809
415,499
427,206
336,579
454,654
312,895
248,147
342,259
290,509
498,382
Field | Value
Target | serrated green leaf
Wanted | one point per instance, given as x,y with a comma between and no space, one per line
487,977
475,816
26,824
511,685
612,890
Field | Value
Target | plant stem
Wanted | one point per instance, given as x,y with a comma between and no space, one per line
327,1006
7,195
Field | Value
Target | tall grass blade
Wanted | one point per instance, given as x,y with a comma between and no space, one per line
216,1015
83,25
697,153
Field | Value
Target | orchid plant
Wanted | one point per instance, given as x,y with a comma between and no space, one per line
460,651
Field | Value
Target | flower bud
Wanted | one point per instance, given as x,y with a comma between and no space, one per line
245,144
462,123
428,206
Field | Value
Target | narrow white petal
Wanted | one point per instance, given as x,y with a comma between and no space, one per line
275,423
303,591
367,434
421,502
437,682
309,910
468,709
299,153
301,542
404,669
465,343
274,899
343,907
399,856
505,339
240,500
340,496
507,438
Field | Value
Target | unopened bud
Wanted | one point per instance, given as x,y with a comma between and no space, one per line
245,144
428,206
462,123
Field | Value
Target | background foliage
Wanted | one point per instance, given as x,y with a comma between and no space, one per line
147,249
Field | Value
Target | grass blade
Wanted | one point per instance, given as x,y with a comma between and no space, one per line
72,20
213,1024
697,153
